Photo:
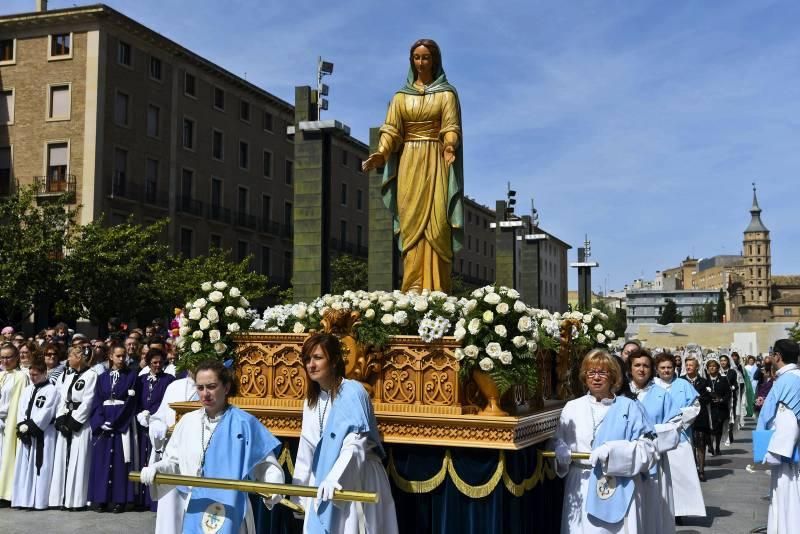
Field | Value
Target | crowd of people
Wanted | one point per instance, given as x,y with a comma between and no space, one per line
633,448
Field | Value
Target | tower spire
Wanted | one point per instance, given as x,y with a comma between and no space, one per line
755,215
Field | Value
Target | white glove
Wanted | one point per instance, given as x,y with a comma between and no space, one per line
157,431
600,454
325,491
269,502
106,427
772,459
143,418
563,454
147,475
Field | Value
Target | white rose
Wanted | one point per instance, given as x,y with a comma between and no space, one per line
598,328
204,324
200,303
184,331
587,318
502,308
403,302
472,351
387,318
506,358
198,334
470,305
478,293
229,310
474,326
23,428
459,354
486,364
369,314
196,347
220,285
206,286
298,328
492,298
400,317
610,334
215,296
213,336
449,307
131,392
519,341
459,333
195,314
512,293
524,324
421,305
234,292
241,313
364,304
493,349
233,327
244,302
601,338
603,317
213,315
488,316
219,348
387,306
519,306
532,346
500,330
184,321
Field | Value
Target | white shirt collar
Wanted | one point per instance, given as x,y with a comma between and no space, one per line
604,402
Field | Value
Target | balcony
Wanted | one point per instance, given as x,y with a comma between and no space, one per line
348,248
245,220
220,214
56,184
190,206
275,228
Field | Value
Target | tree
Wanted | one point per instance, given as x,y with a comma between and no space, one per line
720,309
704,313
670,313
794,332
617,318
348,272
109,270
32,239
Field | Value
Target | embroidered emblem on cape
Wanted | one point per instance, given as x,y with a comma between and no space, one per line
606,486
79,385
40,401
213,518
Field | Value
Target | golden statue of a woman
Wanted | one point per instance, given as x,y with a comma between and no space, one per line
421,151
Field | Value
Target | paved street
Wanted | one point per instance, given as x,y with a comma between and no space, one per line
733,500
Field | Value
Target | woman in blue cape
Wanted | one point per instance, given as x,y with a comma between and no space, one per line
602,495
340,447
217,441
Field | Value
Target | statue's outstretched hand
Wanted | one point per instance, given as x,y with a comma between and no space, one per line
449,154
373,162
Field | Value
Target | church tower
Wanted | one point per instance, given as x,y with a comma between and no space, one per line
757,263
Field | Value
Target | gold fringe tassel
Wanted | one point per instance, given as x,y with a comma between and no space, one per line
418,486
286,459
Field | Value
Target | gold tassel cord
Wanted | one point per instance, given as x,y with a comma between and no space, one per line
418,486
477,492
286,459
543,470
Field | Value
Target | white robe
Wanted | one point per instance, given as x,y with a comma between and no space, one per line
32,490
70,486
784,508
183,456
357,468
629,459
169,515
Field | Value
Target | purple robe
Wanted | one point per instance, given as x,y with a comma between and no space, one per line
149,395
108,477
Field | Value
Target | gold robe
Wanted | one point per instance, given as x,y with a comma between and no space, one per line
419,126
11,385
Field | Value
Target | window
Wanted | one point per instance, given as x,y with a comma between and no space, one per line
244,155
187,183
155,68
342,233
244,110
287,215
57,166
217,145
469,242
216,193
267,164
787,312
61,46
484,250
219,99
469,217
266,209
215,241
7,106
8,51
5,171
491,252
121,108
243,203
242,250
124,54
187,245
359,199
359,237
344,195
150,180
119,181
289,172
153,120
189,84
344,157
188,133
266,260
266,121
287,265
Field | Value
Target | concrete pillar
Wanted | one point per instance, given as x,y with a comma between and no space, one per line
382,263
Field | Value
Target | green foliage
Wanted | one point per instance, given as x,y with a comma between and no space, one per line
704,314
794,332
460,288
109,270
348,272
32,239
720,306
670,313
617,318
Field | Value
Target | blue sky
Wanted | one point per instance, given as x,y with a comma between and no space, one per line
640,123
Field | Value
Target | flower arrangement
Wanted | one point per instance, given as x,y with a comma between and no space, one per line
209,321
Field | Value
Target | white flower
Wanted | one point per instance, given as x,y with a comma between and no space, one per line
506,358
470,305
195,314
184,331
369,314
220,285
241,313
196,347
492,298
204,324
478,293
233,327
531,346
131,392
213,315
216,296
206,286
400,317
512,293
213,336
459,355
519,306
421,304
459,333
23,428
486,364
525,324
364,304
198,334
493,349
587,318
601,338
234,292
200,303
598,328
229,310
403,302
387,318
500,330
519,341
244,302
488,316
474,326
184,321
610,334
603,317
472,351
449,307
298,328
387,306
502,308
220,347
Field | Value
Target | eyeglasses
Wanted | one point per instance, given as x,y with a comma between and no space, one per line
7,358
49,353
597,373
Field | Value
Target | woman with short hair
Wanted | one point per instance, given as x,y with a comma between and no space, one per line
701,428
720,397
